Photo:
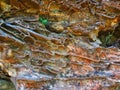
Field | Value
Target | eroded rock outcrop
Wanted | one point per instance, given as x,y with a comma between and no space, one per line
57,47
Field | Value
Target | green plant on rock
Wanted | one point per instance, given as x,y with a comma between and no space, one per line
108,38
44,21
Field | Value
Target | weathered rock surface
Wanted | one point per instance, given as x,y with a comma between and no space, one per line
65,53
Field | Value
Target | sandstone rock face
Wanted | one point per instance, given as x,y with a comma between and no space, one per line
56,45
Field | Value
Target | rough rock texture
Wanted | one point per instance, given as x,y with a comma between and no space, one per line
62,50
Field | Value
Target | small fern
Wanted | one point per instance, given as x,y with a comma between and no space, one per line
108,38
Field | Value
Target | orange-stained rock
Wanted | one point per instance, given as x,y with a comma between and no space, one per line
37,57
